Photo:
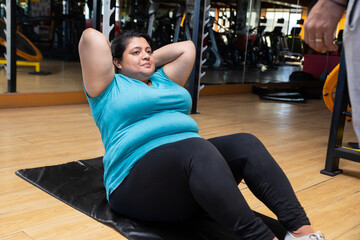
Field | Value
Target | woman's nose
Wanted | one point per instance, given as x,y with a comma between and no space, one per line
146,56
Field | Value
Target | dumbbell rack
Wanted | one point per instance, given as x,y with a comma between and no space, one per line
335,150
108,19
199,22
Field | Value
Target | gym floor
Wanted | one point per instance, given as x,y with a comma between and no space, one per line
296,135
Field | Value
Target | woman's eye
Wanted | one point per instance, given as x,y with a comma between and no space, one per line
136,52
149,52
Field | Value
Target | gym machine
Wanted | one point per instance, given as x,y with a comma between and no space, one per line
335,151
201,8
154,6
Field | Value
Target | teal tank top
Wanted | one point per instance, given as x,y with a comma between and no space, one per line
134,118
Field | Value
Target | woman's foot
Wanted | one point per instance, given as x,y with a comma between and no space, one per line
312,236
305,232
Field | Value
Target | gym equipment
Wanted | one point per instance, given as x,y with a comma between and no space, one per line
163,31
354,145
186,25
165,28
292,93
248,53
199,22
25,49
96,14
285,95
329,89
63,37
335,150
260,53
80,185
296,49
226,40
264,51
179,15
10,55
280,45
154,6
213,57
108,26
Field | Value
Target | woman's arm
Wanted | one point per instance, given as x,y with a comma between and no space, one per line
178,60
96,62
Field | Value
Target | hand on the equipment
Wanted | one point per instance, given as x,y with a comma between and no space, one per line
321,24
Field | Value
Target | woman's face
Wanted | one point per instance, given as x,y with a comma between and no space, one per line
137,61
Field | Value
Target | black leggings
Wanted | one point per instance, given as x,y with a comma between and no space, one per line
174,181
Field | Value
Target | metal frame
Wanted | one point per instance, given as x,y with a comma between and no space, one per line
109,19
335,151
96,14
10,56
198,37
154,6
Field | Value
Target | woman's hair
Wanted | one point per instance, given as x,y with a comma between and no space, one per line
119,44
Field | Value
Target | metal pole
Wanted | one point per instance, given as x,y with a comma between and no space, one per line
247,41
337,121
154,6
108,28
10,55
198,38
96,14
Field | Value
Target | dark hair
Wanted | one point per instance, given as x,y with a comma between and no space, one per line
119,44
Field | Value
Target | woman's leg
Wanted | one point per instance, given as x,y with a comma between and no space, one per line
248,159
173,180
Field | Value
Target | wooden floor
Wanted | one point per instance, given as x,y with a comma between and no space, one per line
63,77
295,134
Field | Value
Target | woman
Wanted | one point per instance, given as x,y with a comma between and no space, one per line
157,167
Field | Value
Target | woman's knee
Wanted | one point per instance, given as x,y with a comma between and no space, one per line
246,137
238,141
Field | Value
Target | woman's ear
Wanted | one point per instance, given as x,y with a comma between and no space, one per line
117,63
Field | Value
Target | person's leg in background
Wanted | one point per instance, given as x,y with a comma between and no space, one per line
248,159
352,57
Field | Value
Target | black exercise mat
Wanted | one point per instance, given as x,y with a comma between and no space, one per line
80,185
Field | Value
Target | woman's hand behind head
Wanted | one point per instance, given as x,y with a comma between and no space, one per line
178,60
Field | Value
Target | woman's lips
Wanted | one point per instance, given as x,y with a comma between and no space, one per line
146,65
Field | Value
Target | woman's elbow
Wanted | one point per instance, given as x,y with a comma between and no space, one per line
190,45
92,38
91,35
190,48
86,37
